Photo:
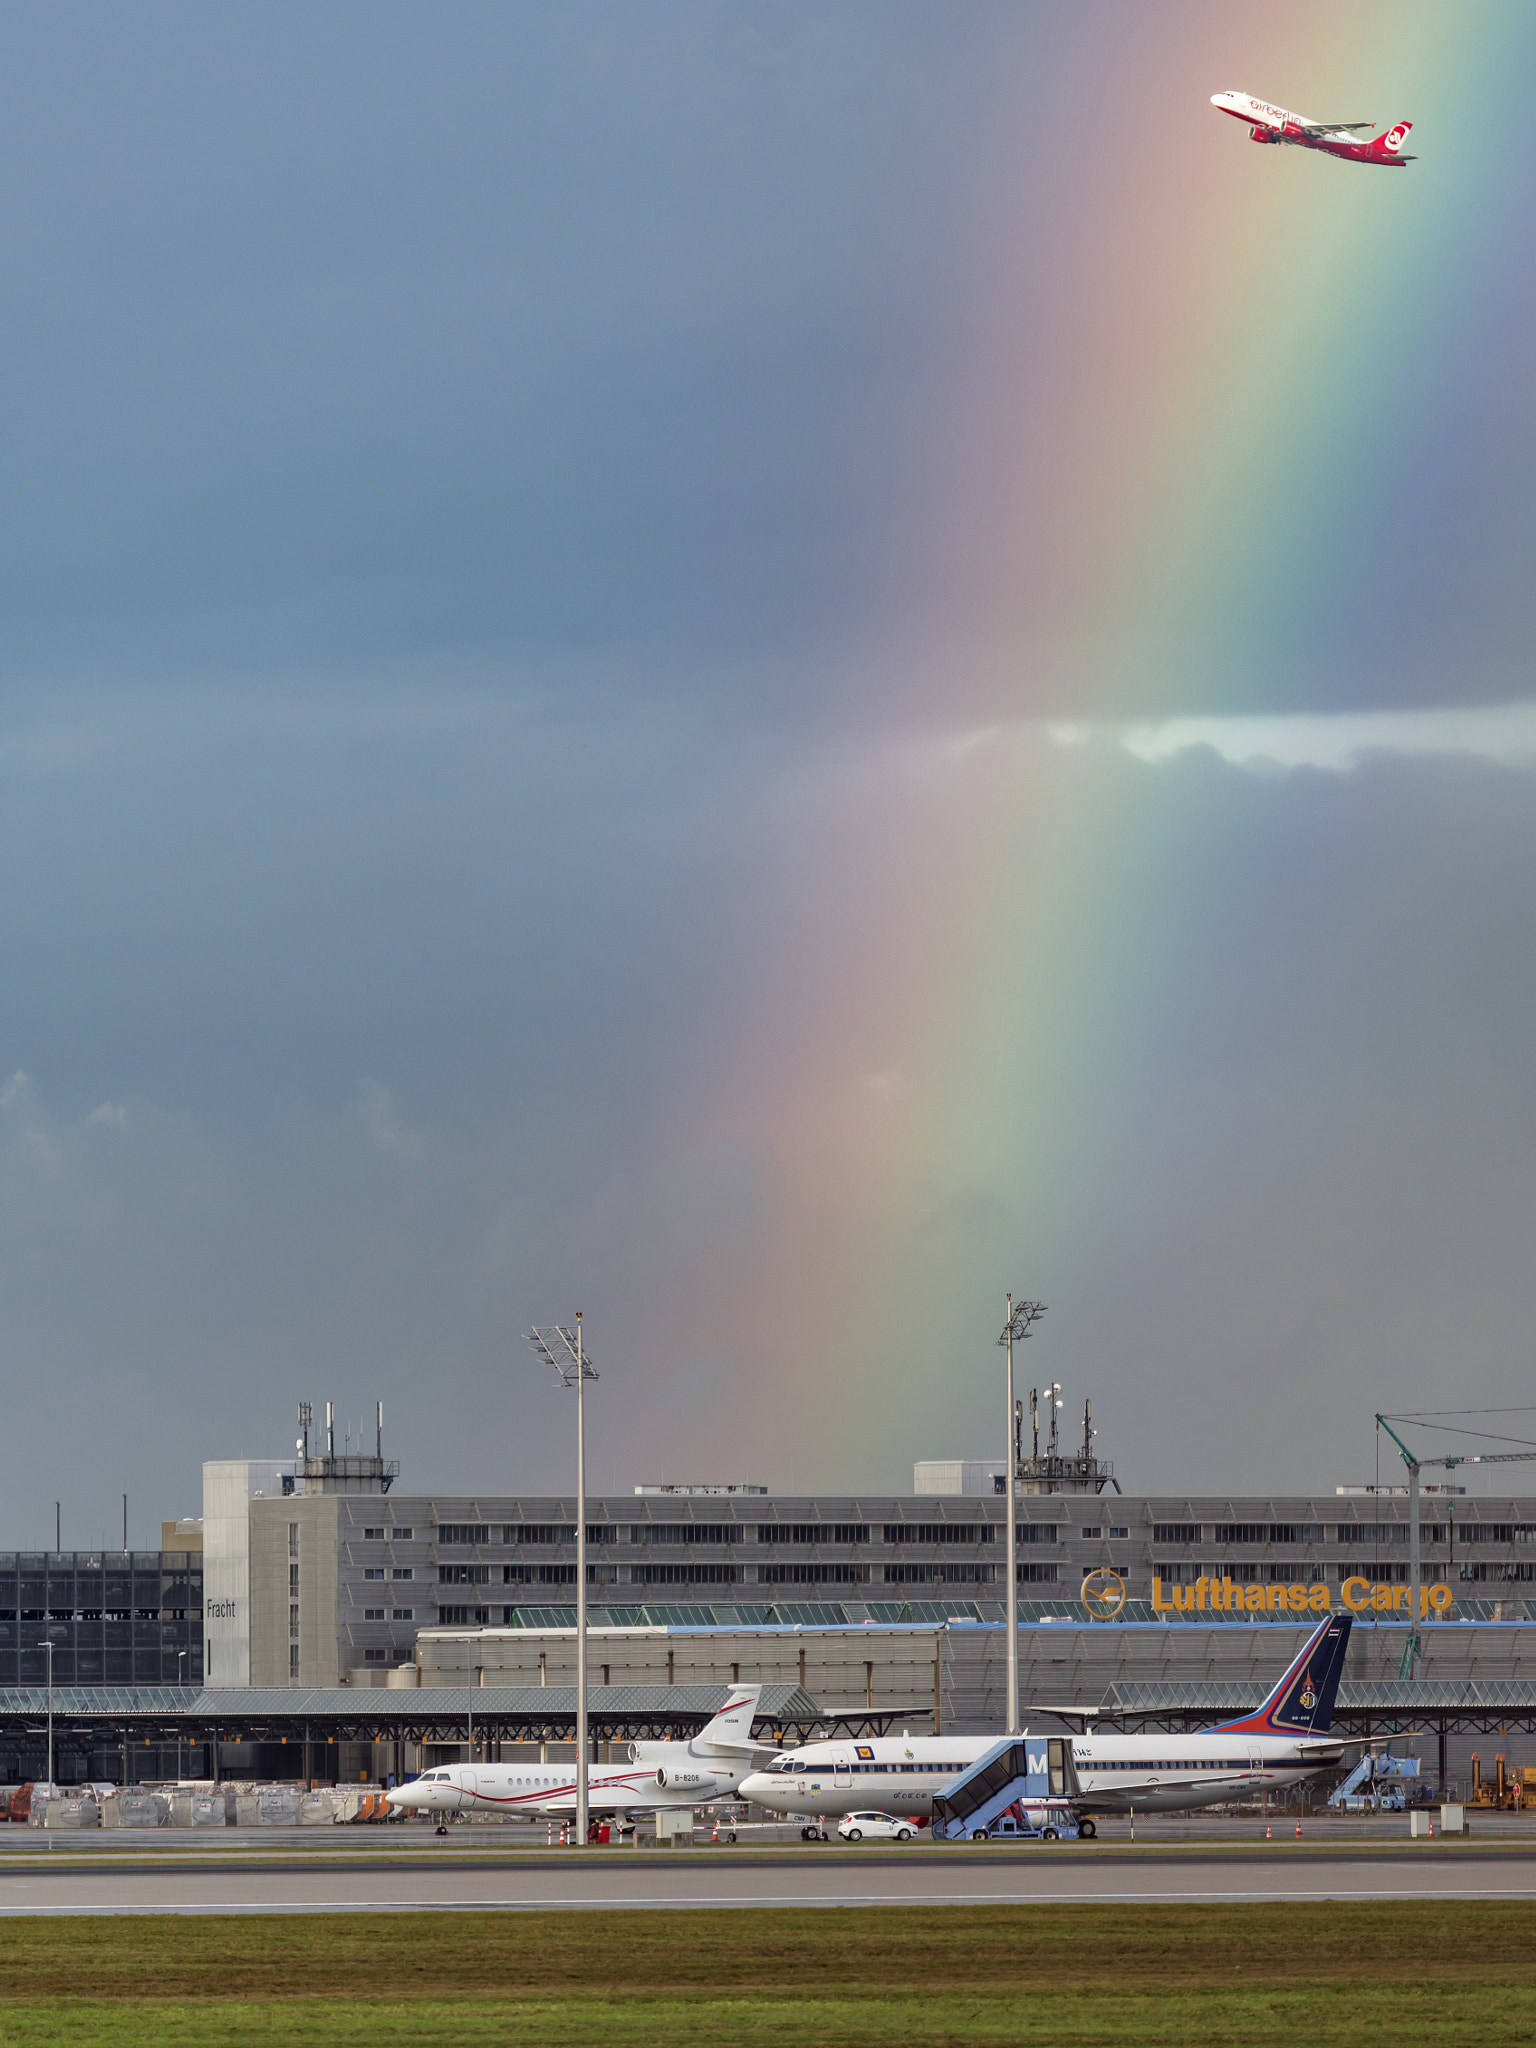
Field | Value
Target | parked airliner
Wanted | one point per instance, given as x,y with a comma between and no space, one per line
709,1767
1335,138
1282,1741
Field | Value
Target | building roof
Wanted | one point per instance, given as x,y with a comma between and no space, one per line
206,1704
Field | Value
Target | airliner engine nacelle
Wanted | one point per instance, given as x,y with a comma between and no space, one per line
1261,135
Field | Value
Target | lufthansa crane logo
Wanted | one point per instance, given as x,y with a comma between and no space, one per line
1104,1594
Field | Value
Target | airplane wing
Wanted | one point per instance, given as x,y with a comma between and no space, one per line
1337,127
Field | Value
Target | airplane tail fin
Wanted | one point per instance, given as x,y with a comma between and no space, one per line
732,1726
1301,1702
1391,143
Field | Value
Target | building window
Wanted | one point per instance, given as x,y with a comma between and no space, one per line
602,1574
375,1572
293,1660
293,1620
373,1614
1037,1532
375,1656
1089,1535
1119,1535
955,1532
1036,1574
463,1532
401,1571
401,1535
813,1574
951,1574
293,1539
405,1614
539,1532
462,1617
462,1575
373,1535
713,1533
1176,1532
679,1574
293,1582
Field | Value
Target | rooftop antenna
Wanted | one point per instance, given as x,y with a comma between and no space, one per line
378,1428
1054,1402
330,1429
1087,1431
1034,1417
306,1417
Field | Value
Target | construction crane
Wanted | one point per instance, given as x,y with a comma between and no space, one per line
1448,1464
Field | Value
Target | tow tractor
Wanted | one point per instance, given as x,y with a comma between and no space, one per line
1021,1789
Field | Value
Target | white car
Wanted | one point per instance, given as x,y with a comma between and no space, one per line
874,1827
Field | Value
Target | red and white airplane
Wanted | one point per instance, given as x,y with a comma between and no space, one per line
1336,138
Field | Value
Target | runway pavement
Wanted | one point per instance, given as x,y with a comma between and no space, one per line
848,1877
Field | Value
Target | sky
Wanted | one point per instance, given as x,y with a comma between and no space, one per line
765,672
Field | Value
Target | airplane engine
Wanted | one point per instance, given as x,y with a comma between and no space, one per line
1261,135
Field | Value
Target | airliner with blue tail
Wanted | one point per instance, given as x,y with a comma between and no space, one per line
1284,1740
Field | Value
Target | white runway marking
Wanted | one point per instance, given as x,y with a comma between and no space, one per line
746,1901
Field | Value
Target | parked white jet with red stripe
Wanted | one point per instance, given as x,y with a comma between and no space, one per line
1335,138
655,1774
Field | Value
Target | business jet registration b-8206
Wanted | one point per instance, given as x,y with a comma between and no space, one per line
1334,138
655,1774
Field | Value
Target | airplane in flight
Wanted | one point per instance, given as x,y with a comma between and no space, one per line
1335,138
709,1767
1282,1741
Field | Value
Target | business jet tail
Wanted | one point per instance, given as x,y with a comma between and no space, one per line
732,1726
1302,1701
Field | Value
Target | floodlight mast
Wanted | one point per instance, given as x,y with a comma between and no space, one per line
562,1348
1017,1326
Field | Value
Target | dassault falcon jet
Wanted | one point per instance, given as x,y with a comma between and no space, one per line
709,1767
1334,138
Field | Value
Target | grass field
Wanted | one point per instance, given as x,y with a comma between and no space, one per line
1417,1972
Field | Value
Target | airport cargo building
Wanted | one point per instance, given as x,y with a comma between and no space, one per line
326,1576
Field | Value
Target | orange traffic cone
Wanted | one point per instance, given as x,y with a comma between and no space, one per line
1298,1831
1268,1832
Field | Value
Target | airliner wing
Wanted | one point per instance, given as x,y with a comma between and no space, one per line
1338,127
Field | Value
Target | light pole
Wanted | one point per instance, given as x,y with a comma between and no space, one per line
47,1644
1017,1326
562,1348
181,1658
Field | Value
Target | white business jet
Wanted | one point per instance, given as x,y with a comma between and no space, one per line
655,1774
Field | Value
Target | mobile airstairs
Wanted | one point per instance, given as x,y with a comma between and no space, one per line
1021,1788
1376,1785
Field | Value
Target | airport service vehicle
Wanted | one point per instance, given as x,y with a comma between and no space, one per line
1283,1741
1334,138
657,1774
874,1827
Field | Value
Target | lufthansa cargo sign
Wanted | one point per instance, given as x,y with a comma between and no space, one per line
1360,1596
